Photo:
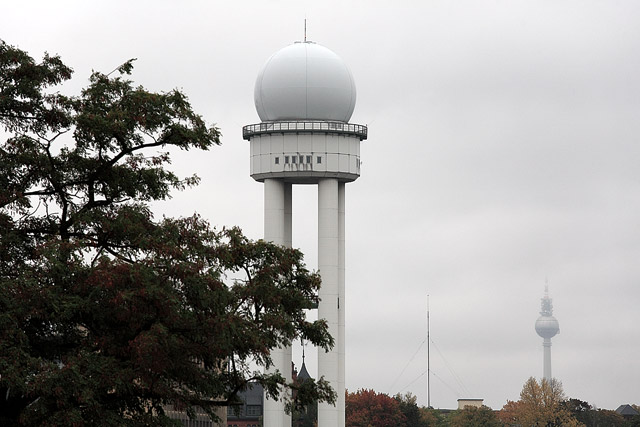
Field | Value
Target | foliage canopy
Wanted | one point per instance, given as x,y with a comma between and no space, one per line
366,408
474,416
107,314
540,404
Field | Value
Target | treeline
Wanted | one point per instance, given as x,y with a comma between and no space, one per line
541,403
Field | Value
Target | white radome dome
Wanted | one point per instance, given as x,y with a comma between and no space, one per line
305,81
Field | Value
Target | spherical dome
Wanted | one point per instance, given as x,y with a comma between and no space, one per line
547,326
305,81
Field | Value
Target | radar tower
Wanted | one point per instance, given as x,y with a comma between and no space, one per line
304,96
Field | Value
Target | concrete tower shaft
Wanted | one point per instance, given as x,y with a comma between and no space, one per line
277,229
305,96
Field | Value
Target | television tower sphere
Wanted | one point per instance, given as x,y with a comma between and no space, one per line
305,81
547,326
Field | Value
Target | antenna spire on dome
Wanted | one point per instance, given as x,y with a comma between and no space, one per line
305,30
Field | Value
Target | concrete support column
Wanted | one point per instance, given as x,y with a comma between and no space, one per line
288,196
546,344
328,266
274,211
277,229
341,305
287,352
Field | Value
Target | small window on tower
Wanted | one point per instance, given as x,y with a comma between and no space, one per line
308,159
294,159
319,160
286,159
277,160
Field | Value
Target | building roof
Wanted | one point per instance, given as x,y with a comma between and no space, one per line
626,410
303,375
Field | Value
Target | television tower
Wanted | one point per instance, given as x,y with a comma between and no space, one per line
547,327
304,96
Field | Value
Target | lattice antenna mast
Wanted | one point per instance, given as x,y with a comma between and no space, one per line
428,359
546,305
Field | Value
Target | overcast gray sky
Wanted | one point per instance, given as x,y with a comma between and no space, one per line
503,150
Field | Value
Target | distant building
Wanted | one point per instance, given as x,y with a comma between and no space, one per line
627,411
309,415
249,414
476,403
201,419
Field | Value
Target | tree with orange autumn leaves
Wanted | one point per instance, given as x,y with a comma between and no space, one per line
108,314
368,408
540,404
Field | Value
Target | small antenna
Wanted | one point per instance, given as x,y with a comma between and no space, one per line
305,30
546,286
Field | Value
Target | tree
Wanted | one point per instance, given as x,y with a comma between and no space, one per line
473,416
580,409
367,408
591,416
511,412
539,405
106,313
608,418
306,417
432,417
409,407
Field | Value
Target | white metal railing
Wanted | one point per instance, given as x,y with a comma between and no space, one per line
301,126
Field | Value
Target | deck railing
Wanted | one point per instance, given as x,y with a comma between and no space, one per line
302,126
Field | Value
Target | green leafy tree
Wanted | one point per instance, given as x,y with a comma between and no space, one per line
580,409
409,407
432,417
107,314
608,418
592,417
474,416
306,416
